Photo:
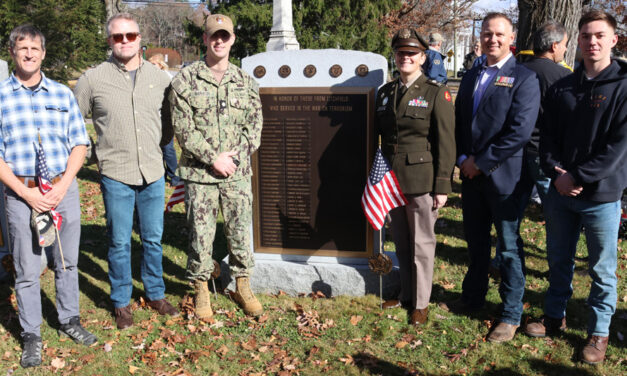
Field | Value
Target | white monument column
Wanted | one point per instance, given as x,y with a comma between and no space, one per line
282,35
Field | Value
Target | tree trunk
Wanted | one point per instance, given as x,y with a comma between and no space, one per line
533,13
112,7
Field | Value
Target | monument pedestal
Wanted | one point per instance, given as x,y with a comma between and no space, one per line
310,233
333,276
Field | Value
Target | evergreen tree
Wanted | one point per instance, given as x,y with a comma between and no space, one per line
343,24
74,31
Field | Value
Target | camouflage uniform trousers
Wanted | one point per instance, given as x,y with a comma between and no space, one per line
202,204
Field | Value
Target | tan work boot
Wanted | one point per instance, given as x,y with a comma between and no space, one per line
245,297
203,300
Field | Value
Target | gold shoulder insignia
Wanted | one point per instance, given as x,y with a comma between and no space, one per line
436,83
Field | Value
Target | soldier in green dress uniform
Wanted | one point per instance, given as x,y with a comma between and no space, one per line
415,117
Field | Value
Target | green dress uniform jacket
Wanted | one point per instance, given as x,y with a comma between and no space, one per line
418,134
211,117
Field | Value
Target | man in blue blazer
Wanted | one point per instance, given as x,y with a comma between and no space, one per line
495,113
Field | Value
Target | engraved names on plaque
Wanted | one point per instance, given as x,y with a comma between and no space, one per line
311,169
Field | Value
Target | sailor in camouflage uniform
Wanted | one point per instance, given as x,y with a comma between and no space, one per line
415,117
216,113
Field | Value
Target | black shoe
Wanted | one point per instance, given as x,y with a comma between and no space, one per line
31,354
77,333
459,306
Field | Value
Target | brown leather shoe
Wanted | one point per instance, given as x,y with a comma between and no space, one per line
393,303
419,316
544,326
163,307
124,317
594,350
502,332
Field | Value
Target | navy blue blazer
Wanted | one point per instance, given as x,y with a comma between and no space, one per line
502,125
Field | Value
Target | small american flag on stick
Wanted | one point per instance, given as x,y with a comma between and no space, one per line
45,183
177,196
382,193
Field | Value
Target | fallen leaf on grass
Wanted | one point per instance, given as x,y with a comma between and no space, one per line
107,347
347,360
250,345
7,355
446,285
415,344
57,363
222,350
132,369
262,319
356,319
531,349
401,344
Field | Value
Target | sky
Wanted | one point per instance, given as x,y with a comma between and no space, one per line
494,4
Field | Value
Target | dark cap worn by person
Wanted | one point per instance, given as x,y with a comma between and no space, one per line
217,22
408,40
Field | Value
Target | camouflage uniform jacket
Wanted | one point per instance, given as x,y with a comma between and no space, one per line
210,118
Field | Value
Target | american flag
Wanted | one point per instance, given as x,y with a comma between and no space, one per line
45,183
177,196
382,192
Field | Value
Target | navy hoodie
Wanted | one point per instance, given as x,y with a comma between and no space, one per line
584,131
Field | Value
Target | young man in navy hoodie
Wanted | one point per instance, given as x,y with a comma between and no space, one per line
583,147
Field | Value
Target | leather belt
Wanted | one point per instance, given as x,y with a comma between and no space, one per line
31,182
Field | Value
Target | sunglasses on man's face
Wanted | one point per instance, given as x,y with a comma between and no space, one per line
119,38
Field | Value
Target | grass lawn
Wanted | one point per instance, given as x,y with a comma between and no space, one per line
309,335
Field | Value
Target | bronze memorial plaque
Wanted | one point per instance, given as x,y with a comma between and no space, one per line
311,170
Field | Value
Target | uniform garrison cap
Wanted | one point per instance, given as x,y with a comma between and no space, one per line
408,40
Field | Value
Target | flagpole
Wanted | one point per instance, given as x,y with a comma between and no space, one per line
56,230
381,252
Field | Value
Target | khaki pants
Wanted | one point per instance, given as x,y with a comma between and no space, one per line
414,237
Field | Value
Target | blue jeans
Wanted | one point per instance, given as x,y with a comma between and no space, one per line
531,176
481,207
169,157
564,218
120,200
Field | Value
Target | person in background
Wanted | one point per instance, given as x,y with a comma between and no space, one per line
583,149
433,66
126,96
53,122
169,154
470,57
415,118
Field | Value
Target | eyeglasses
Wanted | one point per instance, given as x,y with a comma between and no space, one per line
119,38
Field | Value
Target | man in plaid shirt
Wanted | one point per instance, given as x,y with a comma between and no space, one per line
35,110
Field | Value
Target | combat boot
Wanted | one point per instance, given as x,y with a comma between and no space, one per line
245,297
203,300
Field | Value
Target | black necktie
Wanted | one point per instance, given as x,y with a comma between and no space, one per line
402,89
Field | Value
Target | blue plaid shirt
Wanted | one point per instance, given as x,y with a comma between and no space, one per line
49,110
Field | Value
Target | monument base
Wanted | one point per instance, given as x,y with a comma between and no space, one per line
333,276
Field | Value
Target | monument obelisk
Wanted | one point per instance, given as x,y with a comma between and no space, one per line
282,35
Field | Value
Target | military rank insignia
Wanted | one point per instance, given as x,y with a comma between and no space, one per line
418,102
504,81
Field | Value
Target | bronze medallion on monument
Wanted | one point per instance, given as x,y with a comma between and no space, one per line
335,70
259,71
309,71
285,71
361,70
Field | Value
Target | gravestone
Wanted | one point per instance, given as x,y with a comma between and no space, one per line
317,145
